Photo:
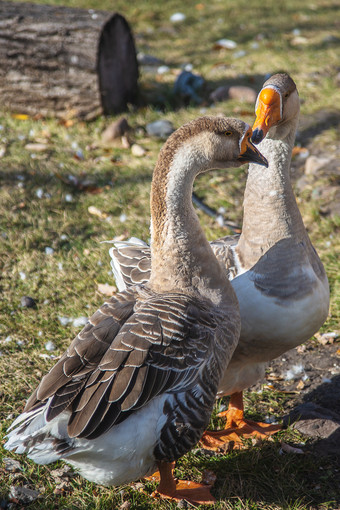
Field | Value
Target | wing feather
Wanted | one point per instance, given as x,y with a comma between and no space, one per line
131,260
136,347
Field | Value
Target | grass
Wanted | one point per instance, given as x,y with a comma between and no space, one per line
37,212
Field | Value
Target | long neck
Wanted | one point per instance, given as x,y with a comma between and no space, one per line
270,209
181,257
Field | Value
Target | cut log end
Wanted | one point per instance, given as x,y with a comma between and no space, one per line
117,66
65,62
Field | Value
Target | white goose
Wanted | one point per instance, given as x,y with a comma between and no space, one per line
275,271
150,359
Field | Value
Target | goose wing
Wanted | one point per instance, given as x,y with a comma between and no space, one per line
131,260
132,350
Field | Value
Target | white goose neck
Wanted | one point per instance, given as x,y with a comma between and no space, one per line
181,257
270,209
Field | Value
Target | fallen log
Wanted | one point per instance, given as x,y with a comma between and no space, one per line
65,62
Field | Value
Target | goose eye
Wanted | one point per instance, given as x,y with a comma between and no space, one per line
228,133
287,94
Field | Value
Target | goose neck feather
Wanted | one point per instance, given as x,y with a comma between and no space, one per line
270,209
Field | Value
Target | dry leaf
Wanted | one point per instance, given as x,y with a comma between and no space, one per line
299,150
326,338
20,116
96,212
125,506
106,289
300,385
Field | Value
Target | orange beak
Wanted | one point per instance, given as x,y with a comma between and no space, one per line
249,153
268,113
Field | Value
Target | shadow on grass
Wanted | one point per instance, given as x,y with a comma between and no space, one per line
77,182
315,124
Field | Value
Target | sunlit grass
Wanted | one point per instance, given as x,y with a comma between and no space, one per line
36,213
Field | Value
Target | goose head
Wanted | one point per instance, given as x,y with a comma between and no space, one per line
203,144
207,143
277,106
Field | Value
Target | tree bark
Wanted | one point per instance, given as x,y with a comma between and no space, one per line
65,62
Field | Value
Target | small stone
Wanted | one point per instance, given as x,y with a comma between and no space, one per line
241,93
148,60
116,130
163,69
39,193
337,80
80,321
220,94
64,320
177,17
137,150
330,39
22,275
296,31
49,346
226,44
299,41
287,448
23,495
49,251
239,54
79,154
160,128
36,147
27,302
314,164
125,141
11,465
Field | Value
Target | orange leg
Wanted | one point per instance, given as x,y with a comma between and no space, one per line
196,493
237,427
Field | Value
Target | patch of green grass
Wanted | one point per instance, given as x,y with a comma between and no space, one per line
35,213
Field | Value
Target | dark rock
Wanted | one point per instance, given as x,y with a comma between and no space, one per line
220,94
23,495
11,465
116,130
27,302
188,85
148,60
320,423
317,427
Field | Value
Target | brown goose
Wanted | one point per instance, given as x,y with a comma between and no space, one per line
275,271
150,359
